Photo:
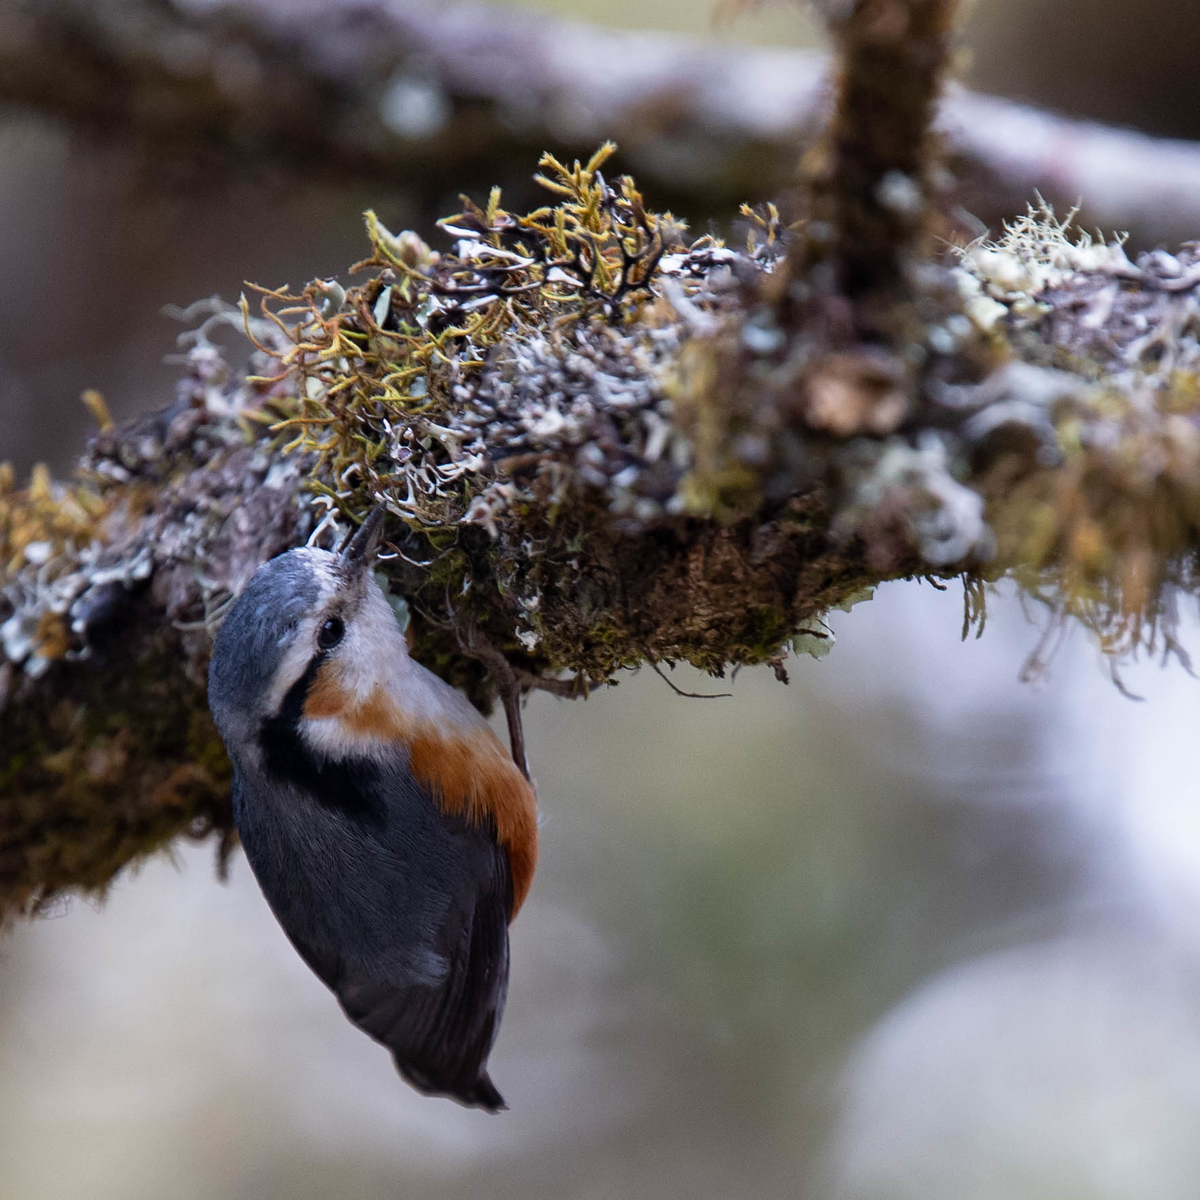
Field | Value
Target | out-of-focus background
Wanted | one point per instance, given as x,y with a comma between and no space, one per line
907,929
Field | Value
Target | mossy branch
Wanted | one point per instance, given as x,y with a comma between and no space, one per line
604,443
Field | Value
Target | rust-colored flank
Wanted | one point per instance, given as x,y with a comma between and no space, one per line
467,772
474,776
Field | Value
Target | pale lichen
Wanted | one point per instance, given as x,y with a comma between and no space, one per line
522,403
1088,453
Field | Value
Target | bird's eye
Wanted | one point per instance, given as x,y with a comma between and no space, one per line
331,633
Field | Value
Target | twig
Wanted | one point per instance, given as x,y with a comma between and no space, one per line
687,695
892,56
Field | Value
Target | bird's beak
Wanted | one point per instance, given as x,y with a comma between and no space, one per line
357,557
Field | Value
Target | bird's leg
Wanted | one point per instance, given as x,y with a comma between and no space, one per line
507,687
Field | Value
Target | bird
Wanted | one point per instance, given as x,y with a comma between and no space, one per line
392,835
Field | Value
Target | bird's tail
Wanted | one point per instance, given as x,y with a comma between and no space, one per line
480,1094
484,1095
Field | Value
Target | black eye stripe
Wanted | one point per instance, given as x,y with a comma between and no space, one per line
330,633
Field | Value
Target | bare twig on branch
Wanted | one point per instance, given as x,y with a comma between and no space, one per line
435,96
891,55
605,443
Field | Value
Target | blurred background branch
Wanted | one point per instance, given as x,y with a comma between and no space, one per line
432,96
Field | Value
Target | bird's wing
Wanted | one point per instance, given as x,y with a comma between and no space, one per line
400,909
440,1035
439,1024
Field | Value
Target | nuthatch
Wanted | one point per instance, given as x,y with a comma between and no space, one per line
392,835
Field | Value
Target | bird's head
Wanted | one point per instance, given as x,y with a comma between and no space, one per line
309,623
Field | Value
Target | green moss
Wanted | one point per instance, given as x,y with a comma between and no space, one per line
91,784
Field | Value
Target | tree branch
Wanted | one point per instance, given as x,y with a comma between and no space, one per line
604,444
